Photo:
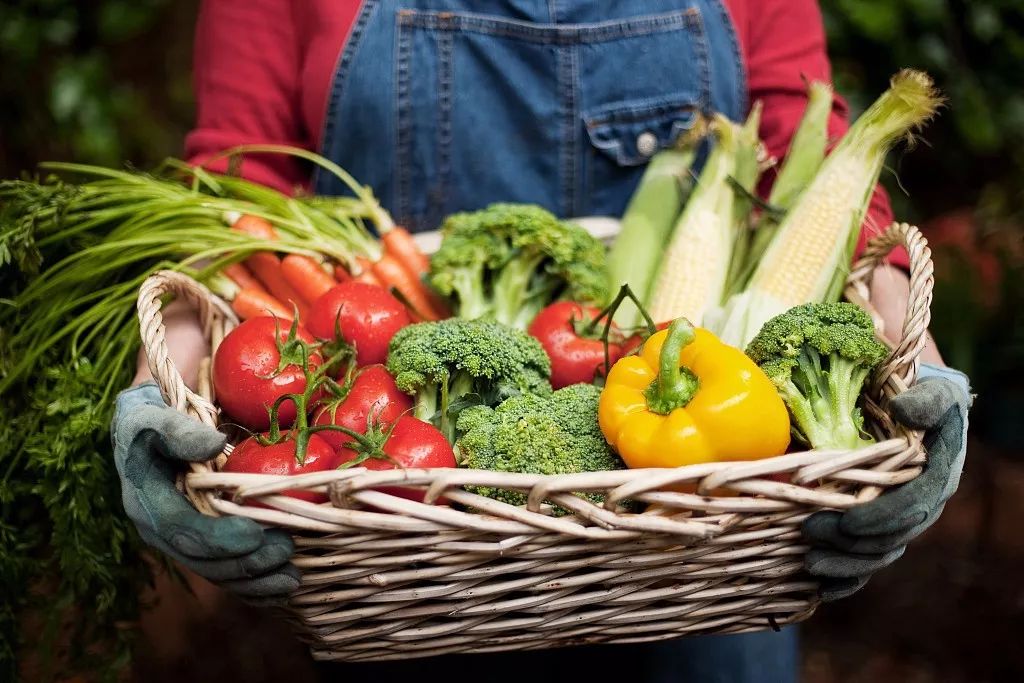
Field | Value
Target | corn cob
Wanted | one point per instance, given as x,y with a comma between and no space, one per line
696,263
647,224
806,150
750,161
808,258
804,158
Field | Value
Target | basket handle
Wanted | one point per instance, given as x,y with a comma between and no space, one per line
899,369
213,315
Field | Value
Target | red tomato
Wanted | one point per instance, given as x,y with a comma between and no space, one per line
413,444
631,344
367,315
635,341
279,459
249,375
574,359
373,392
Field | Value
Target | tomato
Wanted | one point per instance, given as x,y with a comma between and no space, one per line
279,459
373,392
575,359
249,373
635,341
412,443
632,343
367,315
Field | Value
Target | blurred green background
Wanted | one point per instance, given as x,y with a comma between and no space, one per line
109,82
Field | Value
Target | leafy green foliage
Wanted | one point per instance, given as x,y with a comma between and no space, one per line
62,516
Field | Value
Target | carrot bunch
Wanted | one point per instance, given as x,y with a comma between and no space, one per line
268,284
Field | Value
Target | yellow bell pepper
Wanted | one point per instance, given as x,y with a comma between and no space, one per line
689,398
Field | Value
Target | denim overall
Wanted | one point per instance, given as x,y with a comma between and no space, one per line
449,105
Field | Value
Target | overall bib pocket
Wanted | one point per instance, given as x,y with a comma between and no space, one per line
623,138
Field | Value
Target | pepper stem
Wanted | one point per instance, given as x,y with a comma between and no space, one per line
674,386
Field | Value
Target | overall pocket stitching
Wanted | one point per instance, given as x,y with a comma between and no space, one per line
556,34
446,81
553,10
631,113
403,124
741,66
703,51
570,140
342,68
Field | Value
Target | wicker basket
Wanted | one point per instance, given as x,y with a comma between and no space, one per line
385,577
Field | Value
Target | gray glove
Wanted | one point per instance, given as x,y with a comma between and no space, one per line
151,441
848,547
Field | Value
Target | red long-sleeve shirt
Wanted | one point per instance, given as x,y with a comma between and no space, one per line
263,69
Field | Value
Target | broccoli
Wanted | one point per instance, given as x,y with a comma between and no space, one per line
508,261
818,356
557,433
452,364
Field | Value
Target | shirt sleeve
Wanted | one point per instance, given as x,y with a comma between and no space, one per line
786,50
247,85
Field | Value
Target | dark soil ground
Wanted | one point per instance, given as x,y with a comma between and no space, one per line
951,610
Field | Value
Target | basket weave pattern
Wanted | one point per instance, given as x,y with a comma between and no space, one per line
385,577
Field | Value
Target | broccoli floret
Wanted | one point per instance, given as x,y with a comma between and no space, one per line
507,261
557,433
819,356
452,364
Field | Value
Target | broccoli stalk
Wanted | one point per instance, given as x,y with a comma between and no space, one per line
453,364
434,400
508,261
466,284
819,357
557,433
522,289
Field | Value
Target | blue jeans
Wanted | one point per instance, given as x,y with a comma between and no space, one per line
762,657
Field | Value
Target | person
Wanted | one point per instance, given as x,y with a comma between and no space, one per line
446,105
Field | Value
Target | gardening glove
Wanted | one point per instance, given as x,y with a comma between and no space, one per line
848,547
150,442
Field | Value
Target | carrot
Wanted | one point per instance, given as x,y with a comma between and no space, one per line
437,302
340,274
306,276
251,303
399,243
255,226
242,277
366,273
267,267
393,274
